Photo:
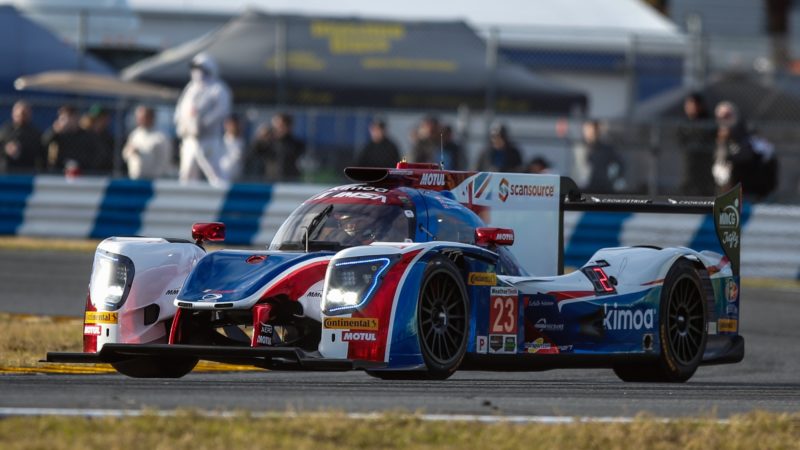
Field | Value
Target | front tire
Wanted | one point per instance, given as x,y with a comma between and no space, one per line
682,329
155,367
442,319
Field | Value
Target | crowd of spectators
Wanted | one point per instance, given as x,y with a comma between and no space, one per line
718,148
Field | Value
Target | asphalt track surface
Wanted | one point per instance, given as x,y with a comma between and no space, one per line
768,379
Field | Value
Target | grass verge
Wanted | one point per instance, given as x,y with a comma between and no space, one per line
190,430
26,338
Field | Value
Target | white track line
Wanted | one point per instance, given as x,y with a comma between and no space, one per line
550,420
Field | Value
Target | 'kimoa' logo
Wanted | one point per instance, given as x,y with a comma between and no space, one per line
628,319
729,216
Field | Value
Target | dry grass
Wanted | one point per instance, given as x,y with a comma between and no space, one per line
396,430
26,339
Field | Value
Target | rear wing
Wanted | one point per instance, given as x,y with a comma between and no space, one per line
726,210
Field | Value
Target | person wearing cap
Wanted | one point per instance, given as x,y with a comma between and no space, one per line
199,115
380,151
501,155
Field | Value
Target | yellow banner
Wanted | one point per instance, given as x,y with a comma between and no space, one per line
728,325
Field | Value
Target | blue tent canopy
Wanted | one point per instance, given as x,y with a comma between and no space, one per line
29,48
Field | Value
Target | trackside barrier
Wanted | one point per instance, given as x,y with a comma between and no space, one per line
50,206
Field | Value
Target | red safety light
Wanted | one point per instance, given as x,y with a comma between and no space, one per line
602,278
487,236
211,231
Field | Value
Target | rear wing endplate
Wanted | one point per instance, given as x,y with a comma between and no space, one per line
726,210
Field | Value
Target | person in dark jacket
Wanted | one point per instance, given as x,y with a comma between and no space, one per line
281,151
20,142
696,136
734,159
381,151
605,166
501,155
68,145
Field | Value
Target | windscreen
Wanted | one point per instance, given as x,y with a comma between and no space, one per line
337,225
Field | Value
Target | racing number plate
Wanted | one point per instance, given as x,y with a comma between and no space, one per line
504,311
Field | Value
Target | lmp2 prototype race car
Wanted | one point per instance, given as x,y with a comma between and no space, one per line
415,272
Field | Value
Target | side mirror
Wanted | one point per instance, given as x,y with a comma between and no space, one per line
211,231
489,236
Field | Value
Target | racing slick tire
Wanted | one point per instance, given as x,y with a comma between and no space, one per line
155,367
442,324
682,329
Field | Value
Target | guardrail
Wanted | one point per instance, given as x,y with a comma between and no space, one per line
50,206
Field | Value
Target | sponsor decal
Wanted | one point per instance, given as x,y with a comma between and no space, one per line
92,330
409,213
94,317
500,343
538,302
542,325
172,292
510,344
540,346
506,189
210,297
712,328
432,179
731,290
265,334
732,310
358,336
730,239
495,343
625,318
620,201
728,325
502,190
358,187
362,196
351,323
565,348
482,279
729,216
503,311
482,345
314,294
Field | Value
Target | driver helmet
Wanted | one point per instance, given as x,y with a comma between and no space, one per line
357,226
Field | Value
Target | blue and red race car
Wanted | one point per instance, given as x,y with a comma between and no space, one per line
416,272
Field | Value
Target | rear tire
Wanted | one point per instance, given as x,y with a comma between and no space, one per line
153,367
682,329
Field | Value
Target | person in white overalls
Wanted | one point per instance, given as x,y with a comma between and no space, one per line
201,110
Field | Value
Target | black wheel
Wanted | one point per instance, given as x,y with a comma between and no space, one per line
153,367
682,329
442,319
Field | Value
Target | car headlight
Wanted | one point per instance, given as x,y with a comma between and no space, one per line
112,276
352,282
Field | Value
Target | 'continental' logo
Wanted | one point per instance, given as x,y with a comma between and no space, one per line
507,189
101,317
351,323
482,279
728,325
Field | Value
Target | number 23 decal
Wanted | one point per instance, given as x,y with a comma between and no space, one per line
503,315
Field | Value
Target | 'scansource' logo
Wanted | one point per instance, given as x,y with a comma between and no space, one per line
503,190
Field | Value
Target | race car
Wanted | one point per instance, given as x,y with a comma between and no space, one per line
416,272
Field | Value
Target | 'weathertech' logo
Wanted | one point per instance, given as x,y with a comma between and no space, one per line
507,189
348,323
